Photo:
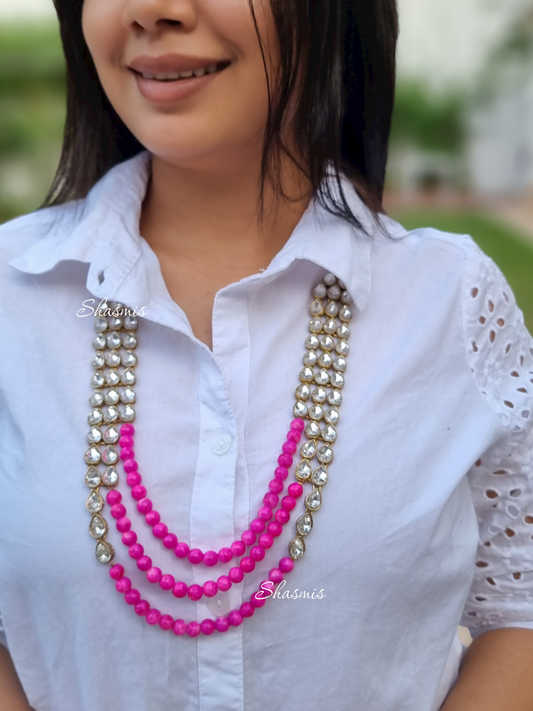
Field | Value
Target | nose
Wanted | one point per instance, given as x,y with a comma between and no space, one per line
156,15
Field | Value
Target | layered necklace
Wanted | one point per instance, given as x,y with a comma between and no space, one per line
311,437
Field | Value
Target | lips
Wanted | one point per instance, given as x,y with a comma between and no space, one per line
174,77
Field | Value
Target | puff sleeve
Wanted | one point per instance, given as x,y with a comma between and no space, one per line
500,352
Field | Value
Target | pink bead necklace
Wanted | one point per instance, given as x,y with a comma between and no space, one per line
112,402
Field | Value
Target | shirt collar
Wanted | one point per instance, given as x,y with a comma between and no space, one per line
105,234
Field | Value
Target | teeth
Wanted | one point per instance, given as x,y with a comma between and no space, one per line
183,75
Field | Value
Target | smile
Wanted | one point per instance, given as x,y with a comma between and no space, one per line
188,74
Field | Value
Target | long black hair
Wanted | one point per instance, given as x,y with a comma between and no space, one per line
346,53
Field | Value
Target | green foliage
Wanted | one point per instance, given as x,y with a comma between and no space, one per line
428,121
510,250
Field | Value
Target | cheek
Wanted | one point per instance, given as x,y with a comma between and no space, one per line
104,34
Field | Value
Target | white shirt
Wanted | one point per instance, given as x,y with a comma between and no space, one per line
427,516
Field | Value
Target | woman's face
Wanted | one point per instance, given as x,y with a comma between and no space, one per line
198,121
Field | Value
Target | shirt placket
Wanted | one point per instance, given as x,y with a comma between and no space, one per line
220,497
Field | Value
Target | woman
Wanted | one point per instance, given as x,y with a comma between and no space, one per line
222,177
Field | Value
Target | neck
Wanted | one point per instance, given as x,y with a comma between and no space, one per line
207,219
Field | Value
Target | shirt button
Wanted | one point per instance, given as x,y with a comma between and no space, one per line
219,604
221,443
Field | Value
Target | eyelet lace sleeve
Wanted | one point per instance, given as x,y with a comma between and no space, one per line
500,351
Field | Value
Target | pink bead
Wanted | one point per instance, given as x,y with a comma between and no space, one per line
210,588
222,624
160,530
225,555
248,538
207,626
196,556
142,607
138,492
136,551
257,553
288,503
181,550
286,564
247,565
275,486
281,473
166,622
180,589
118,510
123,585
167,582
170,540
257,526
236,575
210,558
288,447
144,563
276,575
238,548
133,479
298,425
224,583
294,436
265,541
154,575
129,538
265,513
257,601
132,597
285,460
235,618
117,571
125,441
153,616
274,529
127,453
282,516
193,629
179,627
195,592
152,517
270,500
127,429
113,497
247,609
144,506
123,524
130,465
295,489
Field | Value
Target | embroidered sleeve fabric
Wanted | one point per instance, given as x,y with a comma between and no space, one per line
500,350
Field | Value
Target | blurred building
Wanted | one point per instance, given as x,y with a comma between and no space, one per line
500,151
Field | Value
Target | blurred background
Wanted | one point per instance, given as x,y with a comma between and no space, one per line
461,155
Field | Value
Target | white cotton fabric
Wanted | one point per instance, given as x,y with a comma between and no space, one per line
427,518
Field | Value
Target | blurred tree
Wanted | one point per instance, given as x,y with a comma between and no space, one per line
428,121
32,109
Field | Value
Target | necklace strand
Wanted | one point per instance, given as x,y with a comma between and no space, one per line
112,401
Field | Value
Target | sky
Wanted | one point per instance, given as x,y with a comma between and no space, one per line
443,41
